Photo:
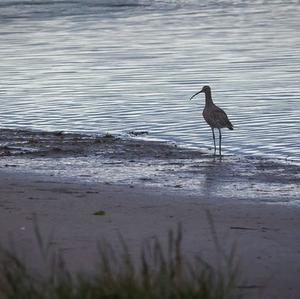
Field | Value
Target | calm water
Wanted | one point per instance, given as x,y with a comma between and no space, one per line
118,66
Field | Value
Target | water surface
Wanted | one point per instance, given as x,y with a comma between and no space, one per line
117,66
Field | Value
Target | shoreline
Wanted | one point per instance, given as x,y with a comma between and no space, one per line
265,235
133,161
135,136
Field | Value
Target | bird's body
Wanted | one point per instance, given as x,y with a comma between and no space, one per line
215,117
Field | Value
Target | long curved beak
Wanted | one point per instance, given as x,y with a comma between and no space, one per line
195,94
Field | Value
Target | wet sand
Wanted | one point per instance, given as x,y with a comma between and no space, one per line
129,160
267,236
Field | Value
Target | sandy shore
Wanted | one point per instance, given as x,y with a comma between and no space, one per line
266,235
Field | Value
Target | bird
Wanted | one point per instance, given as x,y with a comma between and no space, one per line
215,117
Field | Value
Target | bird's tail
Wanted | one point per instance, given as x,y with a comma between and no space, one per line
230,126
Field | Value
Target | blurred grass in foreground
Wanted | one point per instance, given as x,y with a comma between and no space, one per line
161,272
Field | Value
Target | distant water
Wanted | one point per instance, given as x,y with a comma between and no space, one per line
118,66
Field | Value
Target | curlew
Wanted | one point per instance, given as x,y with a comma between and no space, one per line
214,116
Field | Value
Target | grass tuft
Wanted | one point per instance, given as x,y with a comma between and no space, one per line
160,272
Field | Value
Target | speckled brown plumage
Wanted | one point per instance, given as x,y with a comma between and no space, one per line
216,117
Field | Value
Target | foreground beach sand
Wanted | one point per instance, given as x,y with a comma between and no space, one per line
266,236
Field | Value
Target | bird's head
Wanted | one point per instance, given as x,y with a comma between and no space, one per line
205,89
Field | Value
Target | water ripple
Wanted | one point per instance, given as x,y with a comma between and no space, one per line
121,66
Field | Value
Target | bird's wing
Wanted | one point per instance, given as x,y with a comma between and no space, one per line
221,118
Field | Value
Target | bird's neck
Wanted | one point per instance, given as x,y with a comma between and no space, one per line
208,98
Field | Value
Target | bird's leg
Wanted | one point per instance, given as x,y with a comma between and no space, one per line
213,132
220,140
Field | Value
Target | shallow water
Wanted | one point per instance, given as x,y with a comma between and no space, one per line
117,66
